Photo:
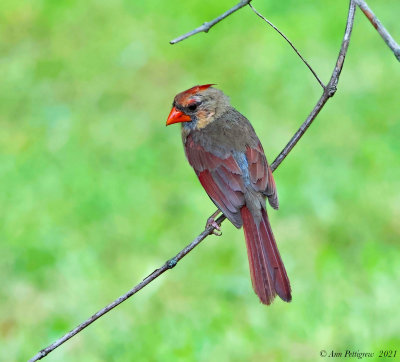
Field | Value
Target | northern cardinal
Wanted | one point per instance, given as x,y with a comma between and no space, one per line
229,160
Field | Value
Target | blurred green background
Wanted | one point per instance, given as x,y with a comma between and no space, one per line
96,192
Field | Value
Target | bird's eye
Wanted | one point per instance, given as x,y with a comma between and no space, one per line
193,106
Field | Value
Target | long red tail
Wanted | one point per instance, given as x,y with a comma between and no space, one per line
268,274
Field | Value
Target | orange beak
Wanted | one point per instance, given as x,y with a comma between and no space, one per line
176,116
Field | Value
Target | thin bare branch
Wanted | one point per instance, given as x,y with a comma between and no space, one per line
169,264
391,43
290,43
207,26
329,91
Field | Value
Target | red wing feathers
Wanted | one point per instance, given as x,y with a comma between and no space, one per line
261,174
271,191
234,180
221,179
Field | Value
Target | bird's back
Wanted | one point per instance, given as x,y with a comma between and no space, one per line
230,132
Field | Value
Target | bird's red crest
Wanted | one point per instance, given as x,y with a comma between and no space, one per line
183,97
197,88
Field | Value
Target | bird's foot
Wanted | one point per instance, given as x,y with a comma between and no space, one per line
217,229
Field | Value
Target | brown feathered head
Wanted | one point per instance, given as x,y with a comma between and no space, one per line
198,106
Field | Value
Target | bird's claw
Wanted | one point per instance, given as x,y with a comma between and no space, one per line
216,228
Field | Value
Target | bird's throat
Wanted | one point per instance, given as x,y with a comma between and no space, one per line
204,119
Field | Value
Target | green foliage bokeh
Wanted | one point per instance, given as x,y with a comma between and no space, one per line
96,192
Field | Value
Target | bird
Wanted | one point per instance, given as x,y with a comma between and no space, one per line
229,161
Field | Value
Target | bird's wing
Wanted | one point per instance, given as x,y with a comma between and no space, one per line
233,131
221,177
261,174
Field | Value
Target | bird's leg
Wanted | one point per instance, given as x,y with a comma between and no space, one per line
211,222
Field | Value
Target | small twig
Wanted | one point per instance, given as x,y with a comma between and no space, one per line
207,26
391,43
290,43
